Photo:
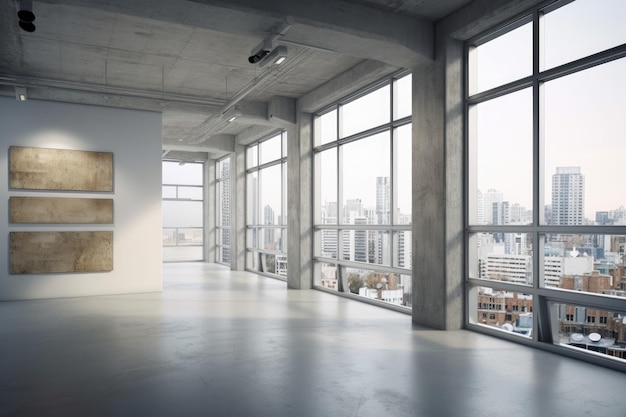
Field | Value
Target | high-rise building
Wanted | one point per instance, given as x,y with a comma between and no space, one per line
568,196
515,243
403,249
602,218
492,208
383,200
353,208
329,237
225,208
360,246
269,218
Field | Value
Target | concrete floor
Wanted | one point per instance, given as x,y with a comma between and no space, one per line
221,343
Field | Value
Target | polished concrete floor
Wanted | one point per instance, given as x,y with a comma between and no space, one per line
221,343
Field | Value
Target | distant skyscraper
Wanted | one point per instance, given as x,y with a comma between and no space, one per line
268,214
404,249
383,200
360,244
568,196
329,236
480,207
225,203
269,218
383,216
225,209
494,210
602,217
515,244
352,209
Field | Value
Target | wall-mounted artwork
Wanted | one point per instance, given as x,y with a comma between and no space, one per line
48,252
60,169
50,210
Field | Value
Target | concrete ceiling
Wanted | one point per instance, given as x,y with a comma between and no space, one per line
188,59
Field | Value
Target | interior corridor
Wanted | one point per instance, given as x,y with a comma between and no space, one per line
223,343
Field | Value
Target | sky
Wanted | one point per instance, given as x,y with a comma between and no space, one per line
583,113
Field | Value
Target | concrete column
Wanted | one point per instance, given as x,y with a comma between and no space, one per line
299,195
455,184
238,209
438,190
209,210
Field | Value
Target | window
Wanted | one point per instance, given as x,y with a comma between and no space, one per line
222,176
183,211
266,202
545,211
362,177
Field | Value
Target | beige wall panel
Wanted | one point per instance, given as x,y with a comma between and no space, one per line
60,169
61,210
45,252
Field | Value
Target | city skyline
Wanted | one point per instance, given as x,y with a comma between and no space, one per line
486,198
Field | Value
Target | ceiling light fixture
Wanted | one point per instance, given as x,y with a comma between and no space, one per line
20,93
25,15
231,114
276,57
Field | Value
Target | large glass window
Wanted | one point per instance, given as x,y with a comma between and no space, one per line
266,235
183,211
223,211
545,202
363,194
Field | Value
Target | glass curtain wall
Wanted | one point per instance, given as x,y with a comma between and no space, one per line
266,206
363,196
183,211
545,192
222,211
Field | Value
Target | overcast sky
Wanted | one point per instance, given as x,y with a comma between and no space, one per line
584,113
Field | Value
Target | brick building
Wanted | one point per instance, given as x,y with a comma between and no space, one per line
585,321
500,307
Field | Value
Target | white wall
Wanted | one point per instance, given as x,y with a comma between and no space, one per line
134,138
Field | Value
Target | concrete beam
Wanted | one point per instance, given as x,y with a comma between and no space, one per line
397,31
344,84
479,16
345,27
187,156
254,133
281,111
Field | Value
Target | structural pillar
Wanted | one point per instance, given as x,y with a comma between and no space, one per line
299,195
438,189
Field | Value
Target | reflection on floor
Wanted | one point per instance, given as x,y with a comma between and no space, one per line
222,343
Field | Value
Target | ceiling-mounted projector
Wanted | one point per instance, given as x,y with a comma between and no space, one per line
260,51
